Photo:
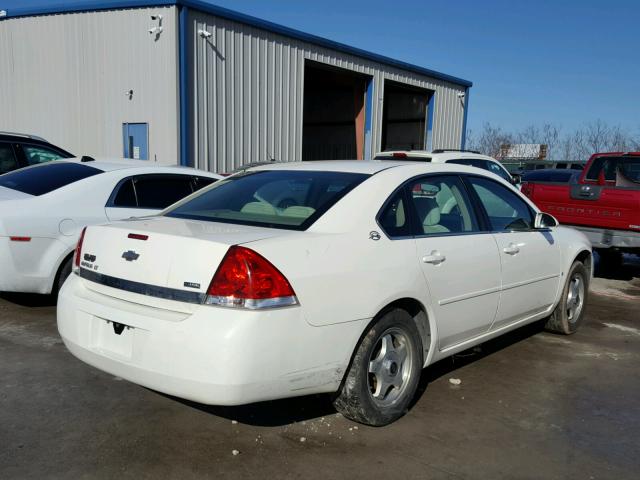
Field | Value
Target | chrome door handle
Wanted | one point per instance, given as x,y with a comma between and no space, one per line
435,258
512,249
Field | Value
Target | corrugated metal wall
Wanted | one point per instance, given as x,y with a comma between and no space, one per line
65,76
247,91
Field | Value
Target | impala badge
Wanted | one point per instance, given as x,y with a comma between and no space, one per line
130,255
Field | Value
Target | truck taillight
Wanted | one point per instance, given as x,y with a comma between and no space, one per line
78,251
245,279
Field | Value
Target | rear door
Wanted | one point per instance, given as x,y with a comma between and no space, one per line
530,259
145,195
8,158
460,262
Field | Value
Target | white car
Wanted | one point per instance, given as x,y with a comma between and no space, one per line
227,298
44,208
459,157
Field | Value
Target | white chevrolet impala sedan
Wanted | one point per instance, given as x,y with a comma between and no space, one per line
343,277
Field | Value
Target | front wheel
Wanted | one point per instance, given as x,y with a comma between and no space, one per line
570,311
385,371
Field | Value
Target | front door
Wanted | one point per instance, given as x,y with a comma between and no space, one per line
530,259
460,262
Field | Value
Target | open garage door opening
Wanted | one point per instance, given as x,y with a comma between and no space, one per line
334,113
404,117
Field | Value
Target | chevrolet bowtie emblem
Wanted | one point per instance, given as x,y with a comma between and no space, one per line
130,255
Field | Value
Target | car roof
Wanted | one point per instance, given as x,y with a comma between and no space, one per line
438,156
371,167
113,164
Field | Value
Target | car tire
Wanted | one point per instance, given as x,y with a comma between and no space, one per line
385,371
63,273
570,311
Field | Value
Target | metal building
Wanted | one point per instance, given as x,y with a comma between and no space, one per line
185,81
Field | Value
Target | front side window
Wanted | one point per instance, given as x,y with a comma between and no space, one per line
43,179
270,198
440,206
505,209
35,154
8,160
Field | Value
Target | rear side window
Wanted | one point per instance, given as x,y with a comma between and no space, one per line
35,154
159,191
8,160
394,218
505,209
270,198
43,179
126,196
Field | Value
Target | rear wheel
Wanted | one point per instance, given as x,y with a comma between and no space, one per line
385,371
570,311
63,273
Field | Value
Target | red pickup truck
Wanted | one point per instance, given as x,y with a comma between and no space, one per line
604,203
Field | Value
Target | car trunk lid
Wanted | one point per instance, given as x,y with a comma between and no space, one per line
161,257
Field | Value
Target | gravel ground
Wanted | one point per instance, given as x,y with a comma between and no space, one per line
528,405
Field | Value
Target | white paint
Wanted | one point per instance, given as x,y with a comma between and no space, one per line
341,277
54,221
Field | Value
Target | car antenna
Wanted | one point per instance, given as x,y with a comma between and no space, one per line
86,158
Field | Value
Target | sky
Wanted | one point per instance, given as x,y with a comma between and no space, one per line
566,62
531,62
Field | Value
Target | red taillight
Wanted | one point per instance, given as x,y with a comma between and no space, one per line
246,279
78,252
20,239
137,236
399,155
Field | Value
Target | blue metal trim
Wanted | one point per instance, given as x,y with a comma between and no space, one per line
430,108
368,121
185,130
463,140
205,6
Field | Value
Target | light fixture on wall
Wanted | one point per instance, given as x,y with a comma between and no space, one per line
205,33
461,95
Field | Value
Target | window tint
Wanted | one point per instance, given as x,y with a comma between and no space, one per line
498,170
201,182
272,198
37,154
393,218
126,196
159,191
46,178
440,205
506,210
8,160
472,162
605,164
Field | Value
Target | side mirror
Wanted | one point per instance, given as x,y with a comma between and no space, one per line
544,220
516,179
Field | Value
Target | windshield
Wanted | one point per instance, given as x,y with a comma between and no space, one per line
270,198
46,178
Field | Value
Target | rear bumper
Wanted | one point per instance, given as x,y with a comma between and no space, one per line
207,354
606,238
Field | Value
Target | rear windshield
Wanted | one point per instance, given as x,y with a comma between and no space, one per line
270,198
627,167
46,178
